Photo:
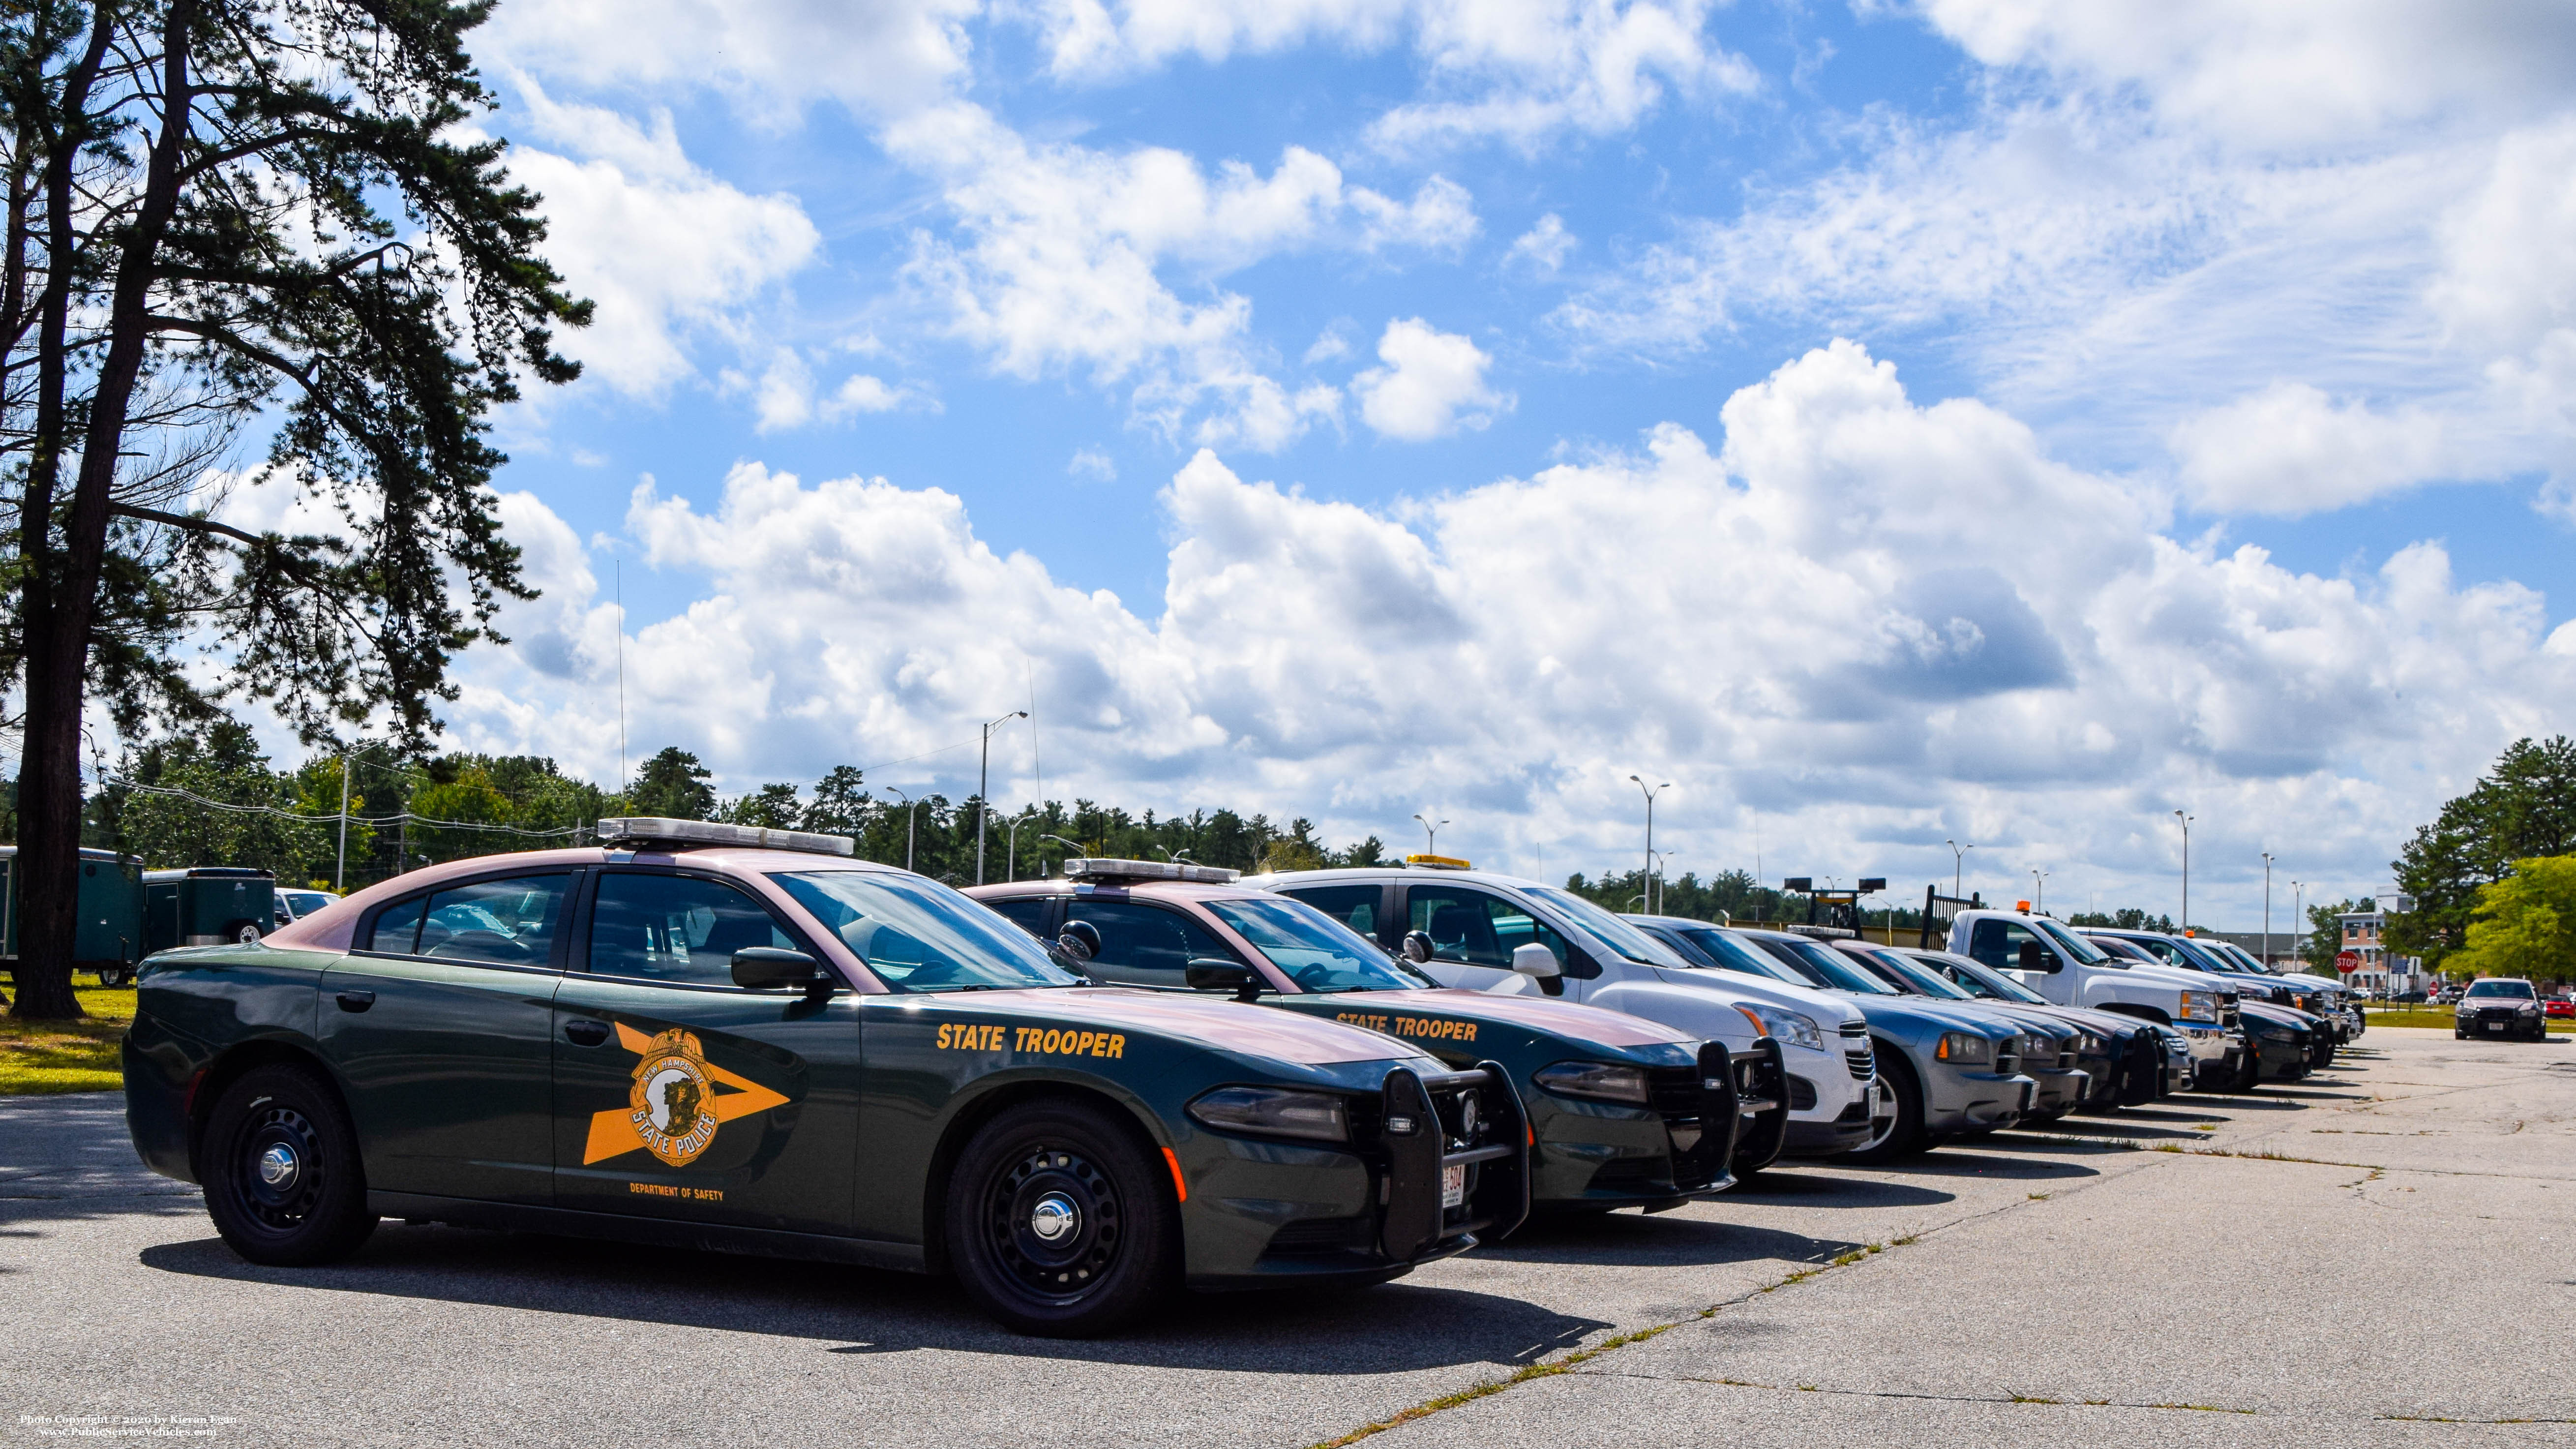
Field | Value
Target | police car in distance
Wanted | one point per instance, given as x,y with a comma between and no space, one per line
1468,927
1625,1112
703,1036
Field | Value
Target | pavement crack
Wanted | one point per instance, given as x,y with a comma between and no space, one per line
1916,1394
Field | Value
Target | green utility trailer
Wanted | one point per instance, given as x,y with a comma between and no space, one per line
207,905
110,939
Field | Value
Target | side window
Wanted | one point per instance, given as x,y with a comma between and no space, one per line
1144,945
1355,906
1998,944
398,927
675,928
1471,926
1029,915
507,922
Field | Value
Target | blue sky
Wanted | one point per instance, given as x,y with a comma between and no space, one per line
1748,394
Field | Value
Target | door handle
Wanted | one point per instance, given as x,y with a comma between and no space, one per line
586,1033
357,1000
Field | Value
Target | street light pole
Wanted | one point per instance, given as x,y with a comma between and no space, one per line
2298,920
1431,835
2267,910
1077,847
1650,837
984,785
1958,868
2186,870
2038,890
1013,866
907,824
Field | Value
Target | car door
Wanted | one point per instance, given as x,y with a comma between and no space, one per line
1474,931
678,1094
1144,945
440,1025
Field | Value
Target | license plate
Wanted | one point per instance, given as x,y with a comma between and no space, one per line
2495,1026
1453,1185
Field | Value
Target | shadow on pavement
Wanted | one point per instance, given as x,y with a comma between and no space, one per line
1815,1187
1391,1328
1631,1240
1956,1161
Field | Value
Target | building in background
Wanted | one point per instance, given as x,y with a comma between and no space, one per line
2379,972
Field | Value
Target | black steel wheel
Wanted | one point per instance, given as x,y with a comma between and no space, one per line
280,1161
1059,1223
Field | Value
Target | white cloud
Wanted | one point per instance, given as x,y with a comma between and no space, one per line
1061,251
1856,649
769,56
1544,246
2290,450
1522,72
1093,464
2286,72
784,396
664,248
1433,383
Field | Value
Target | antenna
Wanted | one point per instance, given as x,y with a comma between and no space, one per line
617,581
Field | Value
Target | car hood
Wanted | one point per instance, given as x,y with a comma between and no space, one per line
1217,1022
1542,1014
1829,1008
2105,1024
1919,1012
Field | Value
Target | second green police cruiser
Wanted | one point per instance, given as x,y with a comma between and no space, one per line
1624,1112
710,1036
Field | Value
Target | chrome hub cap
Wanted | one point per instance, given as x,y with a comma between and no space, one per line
278,1166
1055,1218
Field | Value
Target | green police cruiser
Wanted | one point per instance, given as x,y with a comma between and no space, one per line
705,1036
1624,1112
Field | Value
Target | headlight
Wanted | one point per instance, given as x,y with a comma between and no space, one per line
1600,1080
2091,1045
2199,1006
1784,1025
2528,1009
1960,1046
1273,1112
2278,1033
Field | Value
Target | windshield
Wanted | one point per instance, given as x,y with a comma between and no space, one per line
1828,964
1932,982
2069,943
305,903
1314,950
2519,989
917,935
2209,957
1617,934
1733,953
1974,977
2245,960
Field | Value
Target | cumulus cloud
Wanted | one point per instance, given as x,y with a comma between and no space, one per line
1433,384
1544,246
1061,251
664,248
1844,639
784,396
2290,450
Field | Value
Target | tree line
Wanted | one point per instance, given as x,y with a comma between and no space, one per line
2493,875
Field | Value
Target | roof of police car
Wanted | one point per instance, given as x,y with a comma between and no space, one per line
333,927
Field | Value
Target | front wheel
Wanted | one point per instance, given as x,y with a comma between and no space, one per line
1896,1119
283,1180
1059,1224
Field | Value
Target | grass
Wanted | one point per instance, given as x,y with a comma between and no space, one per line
2441,1018
67,1056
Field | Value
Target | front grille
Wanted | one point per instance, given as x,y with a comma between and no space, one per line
1319,1237
1856,1051
1802,1094
1694,1119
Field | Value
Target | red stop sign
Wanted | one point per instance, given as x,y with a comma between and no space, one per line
2348,962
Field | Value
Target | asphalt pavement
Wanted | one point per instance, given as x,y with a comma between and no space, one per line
2376,1255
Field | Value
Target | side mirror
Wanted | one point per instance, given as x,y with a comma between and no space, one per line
1209,974
1080,940
1534,960
2035,957
766,968
1417,946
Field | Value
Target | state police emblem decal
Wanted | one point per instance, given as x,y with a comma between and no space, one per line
673,1103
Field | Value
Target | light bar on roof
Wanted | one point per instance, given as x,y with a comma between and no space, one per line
634,831
1083,867
1439,862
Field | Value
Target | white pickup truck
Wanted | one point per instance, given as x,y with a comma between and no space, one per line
2042,954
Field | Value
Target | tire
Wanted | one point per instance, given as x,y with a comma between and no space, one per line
1904,1136
243,933
284,1182
1076,1168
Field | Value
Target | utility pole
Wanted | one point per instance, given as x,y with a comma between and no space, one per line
1958,869
984,784
1649,878
2186,870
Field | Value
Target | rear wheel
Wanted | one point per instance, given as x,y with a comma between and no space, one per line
1059,1224
1896,1117
243,933
283,1180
